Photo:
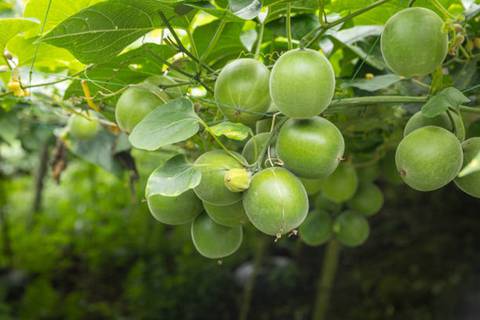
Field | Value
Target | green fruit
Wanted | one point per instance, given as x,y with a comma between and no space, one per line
368,199
418,120
351,228
312,186
213,166
82,128
302,83
241,90
317,228
310,148
414,42
470,184
263,125
230,216
429,158
276,201
215,241
369,173
175,210
322,203
342,184
138,101
389,169
255,146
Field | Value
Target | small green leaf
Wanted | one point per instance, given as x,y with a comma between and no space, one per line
471,167
248,39
439,103
170,123
173,178
377,83
231,130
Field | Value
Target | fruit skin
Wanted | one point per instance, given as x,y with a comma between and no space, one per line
138,101
82,128
317,228
175,210
302,83
369,173
351,228
310,148
470,184
276,201
230,216
342,184
368,199
418,120
389,169
413,42
312,186
241,90
215,241
212,189
322,203
254,146
429,158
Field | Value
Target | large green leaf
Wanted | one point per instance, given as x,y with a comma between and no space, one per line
173,178
439,103
10,27
100,32
170,123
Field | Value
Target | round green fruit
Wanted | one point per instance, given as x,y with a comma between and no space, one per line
322,203
82,128
213,165
470,184
302,83
310,148
175,210
215,241
429,158
342,184
389,169
276,201
418,120
368,173
351,228
138,101
413,42
230,216
255,146
368,199
241,90
317,228
312,186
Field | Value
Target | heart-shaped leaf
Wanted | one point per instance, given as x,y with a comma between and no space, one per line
170,123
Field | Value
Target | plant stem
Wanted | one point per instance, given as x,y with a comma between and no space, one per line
260,39
470,109
325,282
319,31
441,8
361,101
289,26
321,12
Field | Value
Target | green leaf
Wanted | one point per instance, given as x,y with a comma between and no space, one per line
9,126
248,39
439,103
170,123
220,13
377,83
231,130
173,178
245,9
471,167
10,27
100,32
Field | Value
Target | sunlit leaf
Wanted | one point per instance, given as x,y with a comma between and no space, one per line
231,130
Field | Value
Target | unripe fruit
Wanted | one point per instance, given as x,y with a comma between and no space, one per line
137,101
310,148
175,210
213,166
342,184
389,169
255,146
470,184
276,201
312,186
351,228
230,216
429,158
82,128
241,90
317,228
302,83
368,173
368,199
418,120
413,42
322,203
237,180
215,241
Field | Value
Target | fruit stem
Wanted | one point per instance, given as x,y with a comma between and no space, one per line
442,9
289,26
260,40
325,282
